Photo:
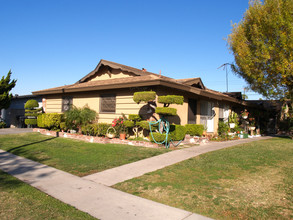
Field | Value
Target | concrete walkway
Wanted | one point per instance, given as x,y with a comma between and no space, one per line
89,195
120,174
15,130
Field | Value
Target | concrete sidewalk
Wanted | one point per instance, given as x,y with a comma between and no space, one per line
128,171
96,199
89,195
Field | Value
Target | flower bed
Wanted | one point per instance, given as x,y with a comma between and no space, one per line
92,139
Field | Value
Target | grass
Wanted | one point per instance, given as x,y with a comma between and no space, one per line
249,181
21,201
76,157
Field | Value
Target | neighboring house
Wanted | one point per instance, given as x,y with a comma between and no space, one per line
109,89
14,115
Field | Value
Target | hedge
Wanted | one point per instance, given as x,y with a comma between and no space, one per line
50,120
145,96
194,129
171,99
166,111
177,132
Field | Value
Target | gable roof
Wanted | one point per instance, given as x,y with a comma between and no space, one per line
196,82
140,78
113,65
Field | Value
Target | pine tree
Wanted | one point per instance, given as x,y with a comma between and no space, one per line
5,86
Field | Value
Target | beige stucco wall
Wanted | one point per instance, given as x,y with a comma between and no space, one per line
53,104
124,104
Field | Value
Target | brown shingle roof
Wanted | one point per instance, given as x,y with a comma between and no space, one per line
141,79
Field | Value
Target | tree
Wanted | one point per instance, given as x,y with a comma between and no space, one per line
5,86
32,111
262,45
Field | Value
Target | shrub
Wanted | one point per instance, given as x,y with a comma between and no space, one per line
31,104
40,120
30,121
194,129
171,99
77,117
166,111
128,123
63,126
177,132
158,137
90,129
144,96
31,112
134,117
52,120
102,128
223,128
2,124
145,125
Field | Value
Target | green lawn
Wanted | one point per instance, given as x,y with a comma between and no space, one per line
76,157
250,181
21,201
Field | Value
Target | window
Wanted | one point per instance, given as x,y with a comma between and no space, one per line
66,103
108,103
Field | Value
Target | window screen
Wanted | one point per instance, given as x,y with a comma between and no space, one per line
108,104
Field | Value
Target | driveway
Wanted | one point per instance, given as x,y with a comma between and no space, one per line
15,130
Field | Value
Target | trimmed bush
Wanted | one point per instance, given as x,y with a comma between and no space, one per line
41,121
31,104
134,117
166,111
30,121
145,96
171,99
31,112
194,129
128,123
145,125
52,120
158,137
177,132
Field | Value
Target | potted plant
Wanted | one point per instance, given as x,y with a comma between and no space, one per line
233,119
244,114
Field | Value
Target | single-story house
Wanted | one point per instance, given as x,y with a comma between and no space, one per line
109,88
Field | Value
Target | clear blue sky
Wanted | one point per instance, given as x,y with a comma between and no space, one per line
51,43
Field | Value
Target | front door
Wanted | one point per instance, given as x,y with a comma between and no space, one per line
207,115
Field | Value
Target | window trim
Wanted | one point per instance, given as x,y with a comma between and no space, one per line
101,104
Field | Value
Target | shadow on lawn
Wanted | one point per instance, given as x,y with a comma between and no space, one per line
22,151
15,149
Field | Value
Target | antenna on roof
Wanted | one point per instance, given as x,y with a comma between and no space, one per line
224,66
160,73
